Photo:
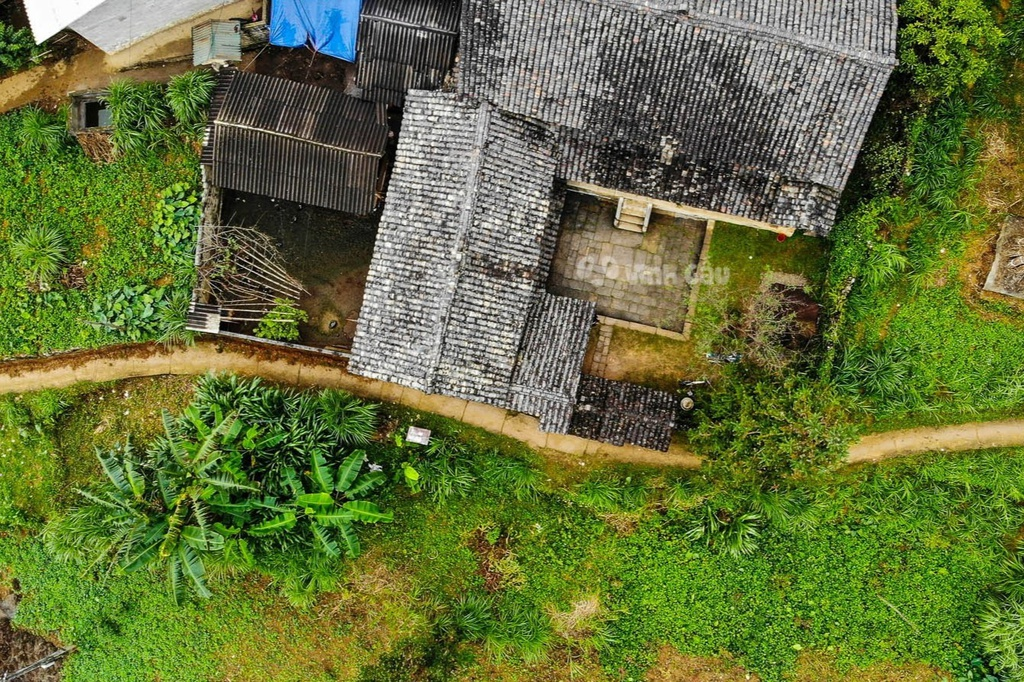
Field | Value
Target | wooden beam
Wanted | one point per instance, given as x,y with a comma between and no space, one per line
679,209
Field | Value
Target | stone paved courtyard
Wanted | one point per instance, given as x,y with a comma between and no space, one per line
642,278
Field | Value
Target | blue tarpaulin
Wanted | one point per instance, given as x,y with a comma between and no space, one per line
328,26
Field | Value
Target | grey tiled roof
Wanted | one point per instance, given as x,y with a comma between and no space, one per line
755,108
551,359
622,413
405,45
297,142
461,260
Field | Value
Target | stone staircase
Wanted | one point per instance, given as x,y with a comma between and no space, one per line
633,215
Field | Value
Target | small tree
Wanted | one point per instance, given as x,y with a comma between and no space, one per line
773,429
946,44
282,322
18,48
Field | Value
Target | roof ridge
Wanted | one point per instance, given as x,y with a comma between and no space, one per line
460,242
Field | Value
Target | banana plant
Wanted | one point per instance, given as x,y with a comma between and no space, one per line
326,504
168,507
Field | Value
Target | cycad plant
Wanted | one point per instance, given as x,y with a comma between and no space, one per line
41,253
188,96
41,131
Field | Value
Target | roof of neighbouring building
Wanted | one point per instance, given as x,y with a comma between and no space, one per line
296,142
405,45
455,300
624,414
751,108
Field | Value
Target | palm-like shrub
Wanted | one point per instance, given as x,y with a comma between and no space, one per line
188,96
736,533
41,131
42,253
1002,634
139,115
172,318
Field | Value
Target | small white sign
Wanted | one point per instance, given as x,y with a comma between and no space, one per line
418,435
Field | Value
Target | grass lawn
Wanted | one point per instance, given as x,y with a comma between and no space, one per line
882,577
104,213
746,254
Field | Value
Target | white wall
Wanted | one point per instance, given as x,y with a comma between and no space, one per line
116,24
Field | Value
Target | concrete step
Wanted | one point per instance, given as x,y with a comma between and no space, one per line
632,215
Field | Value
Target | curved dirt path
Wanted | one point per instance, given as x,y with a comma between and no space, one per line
309,369
306,369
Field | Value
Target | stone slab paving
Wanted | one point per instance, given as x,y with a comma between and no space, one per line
642,278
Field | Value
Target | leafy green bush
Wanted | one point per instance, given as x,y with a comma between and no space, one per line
175,221
773,428
946,44
131,312
282,322
18,49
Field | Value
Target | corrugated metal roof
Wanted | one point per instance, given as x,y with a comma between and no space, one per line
217,41
295,142
405,45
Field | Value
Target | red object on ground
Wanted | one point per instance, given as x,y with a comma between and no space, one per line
780,237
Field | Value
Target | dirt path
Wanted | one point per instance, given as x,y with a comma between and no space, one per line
955,438
305,369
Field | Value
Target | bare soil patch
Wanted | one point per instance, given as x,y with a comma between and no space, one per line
20,648
815,666
673,666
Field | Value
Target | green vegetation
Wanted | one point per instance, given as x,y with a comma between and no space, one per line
82,263
148,116
282,322
18,49
495,571
910,333
946,45
773,427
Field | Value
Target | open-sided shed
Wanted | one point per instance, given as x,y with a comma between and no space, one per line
296,142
